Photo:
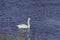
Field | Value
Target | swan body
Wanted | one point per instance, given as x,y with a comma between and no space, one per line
24,25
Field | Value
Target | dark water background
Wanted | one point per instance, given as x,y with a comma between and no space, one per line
44,14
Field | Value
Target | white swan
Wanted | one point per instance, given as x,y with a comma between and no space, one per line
24,25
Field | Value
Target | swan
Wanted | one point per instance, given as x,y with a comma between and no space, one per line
24,25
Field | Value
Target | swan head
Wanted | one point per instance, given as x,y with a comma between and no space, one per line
29,18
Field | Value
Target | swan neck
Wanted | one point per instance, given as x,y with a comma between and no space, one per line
28,22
